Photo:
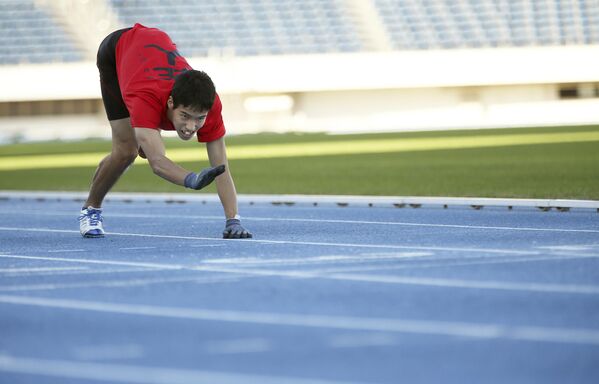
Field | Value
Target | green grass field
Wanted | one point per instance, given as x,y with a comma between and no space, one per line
557,162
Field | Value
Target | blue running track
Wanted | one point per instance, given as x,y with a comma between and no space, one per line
321,294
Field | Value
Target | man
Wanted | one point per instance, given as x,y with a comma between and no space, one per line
147,86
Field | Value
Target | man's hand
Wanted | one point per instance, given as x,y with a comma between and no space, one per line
234,230
206,176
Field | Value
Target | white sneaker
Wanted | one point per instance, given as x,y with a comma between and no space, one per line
90,222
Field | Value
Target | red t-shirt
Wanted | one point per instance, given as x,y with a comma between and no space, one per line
147,63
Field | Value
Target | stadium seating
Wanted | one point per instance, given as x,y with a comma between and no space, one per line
265,27
247,27
427,24
31,35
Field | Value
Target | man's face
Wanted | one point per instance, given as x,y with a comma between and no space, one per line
187,121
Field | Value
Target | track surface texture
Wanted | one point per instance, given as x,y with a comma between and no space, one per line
322,294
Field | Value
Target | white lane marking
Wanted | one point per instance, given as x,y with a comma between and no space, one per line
576,247
451,262
324,274
443,328
362,340
108,352
102,262
424,225
576,254
135,248
237,346
206,245
331,221
95,271
14,271
473,284
316,259
126,283
137,373
424,281
283,242
65,250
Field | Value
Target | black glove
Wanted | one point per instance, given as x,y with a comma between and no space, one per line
234,230
206,176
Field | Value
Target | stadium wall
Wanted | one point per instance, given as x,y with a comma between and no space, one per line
361,92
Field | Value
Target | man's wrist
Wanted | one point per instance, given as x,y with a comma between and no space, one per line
189,179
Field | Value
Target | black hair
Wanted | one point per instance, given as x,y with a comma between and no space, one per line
193,89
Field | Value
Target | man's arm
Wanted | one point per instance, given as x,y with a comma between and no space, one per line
152,148
217,154
151,143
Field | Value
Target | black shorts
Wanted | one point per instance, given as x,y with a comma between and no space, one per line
109,82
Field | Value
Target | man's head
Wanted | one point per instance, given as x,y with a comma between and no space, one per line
191,98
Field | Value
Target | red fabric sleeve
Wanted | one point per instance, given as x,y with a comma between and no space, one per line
214,127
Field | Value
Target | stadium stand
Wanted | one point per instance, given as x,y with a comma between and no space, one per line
248,27
254,27
29,34
429,24
369,65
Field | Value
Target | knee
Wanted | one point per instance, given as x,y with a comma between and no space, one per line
125,157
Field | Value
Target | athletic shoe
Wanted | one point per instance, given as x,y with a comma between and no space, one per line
90,222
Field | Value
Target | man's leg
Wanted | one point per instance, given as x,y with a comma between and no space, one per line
124,145
124,152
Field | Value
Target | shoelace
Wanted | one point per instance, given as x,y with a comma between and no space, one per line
94,217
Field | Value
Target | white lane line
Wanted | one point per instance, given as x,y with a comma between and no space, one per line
108,352
95,271
325,274
206,245
66,250
473,284
101,262
441,261
574,247
137,373
362,340
451,262
443,328
135,248
432,225
14,271
126,283
283,242
237,346
316,259
423,281
330,221
569,255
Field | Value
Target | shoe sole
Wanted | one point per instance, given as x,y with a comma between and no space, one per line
91,236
